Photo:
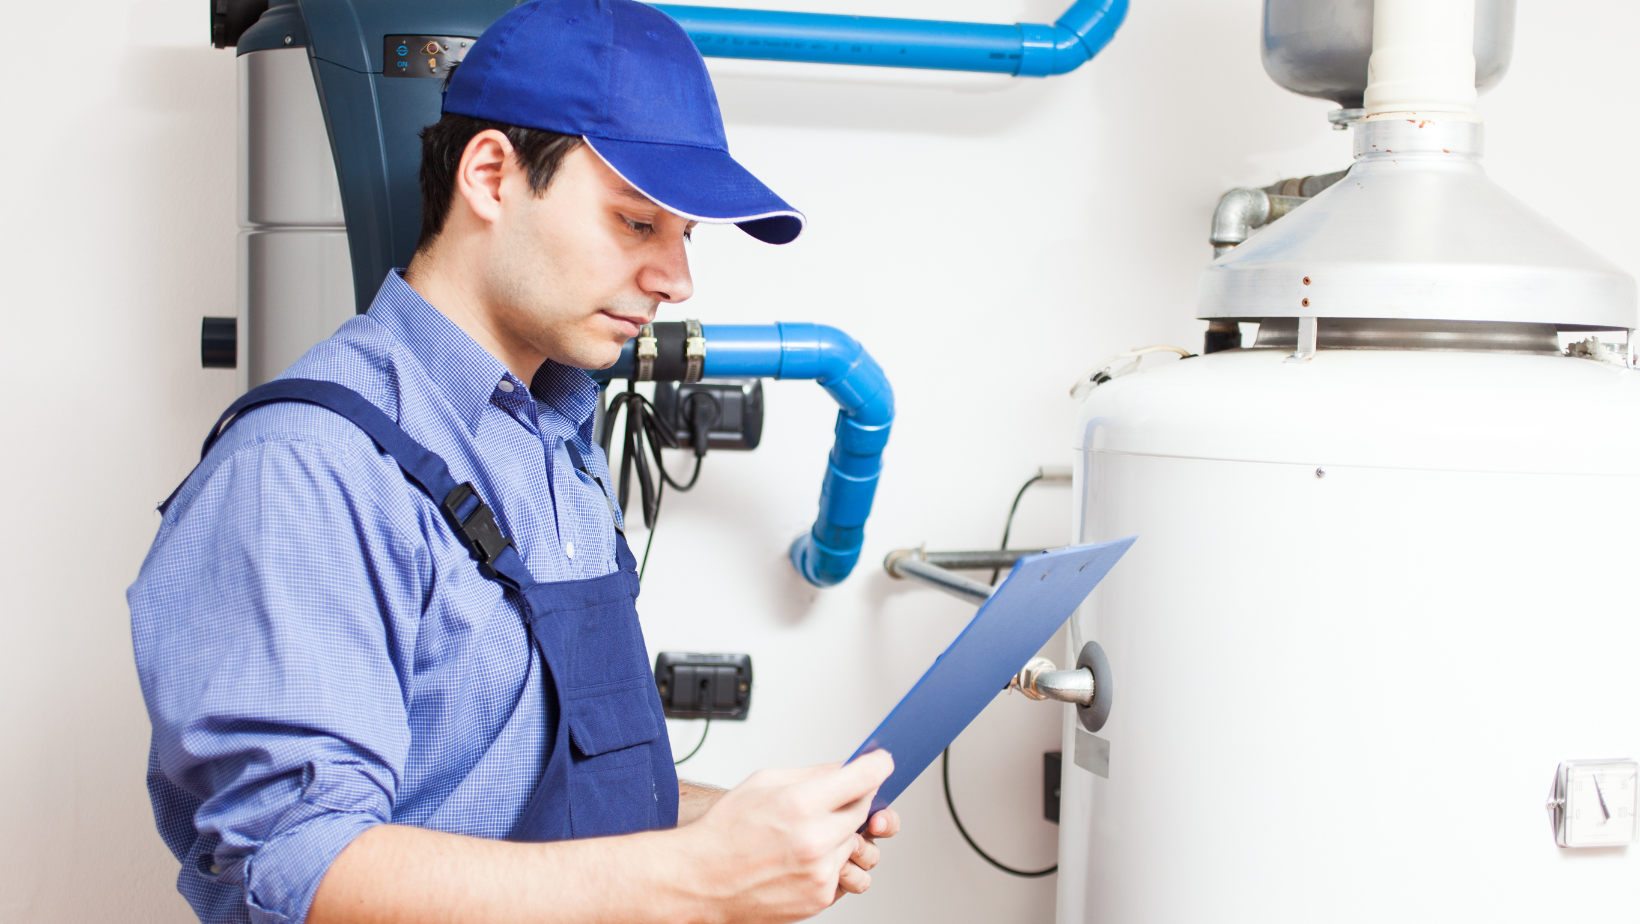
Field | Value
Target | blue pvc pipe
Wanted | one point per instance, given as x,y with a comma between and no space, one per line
1023,49
829,551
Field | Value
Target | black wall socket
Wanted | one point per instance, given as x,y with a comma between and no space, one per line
704,686
1052,763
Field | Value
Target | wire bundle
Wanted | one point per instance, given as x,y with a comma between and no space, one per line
645,429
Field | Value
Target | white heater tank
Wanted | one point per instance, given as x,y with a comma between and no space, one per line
1377,599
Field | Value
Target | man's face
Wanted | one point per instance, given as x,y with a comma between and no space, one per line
574,273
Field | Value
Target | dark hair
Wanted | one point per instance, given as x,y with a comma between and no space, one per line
539,151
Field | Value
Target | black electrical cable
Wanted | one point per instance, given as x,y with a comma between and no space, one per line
945,756
702,741
945,780
1008,527
650,542
644,425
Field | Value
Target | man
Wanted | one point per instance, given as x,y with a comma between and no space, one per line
354,720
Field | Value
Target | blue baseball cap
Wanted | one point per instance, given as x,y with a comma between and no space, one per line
626,78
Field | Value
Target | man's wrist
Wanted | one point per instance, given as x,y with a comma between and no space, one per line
695,799
682,885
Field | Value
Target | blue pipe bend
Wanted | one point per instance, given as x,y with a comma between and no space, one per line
829,550
1024,49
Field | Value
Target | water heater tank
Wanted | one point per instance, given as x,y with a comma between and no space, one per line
1378,598
1375,651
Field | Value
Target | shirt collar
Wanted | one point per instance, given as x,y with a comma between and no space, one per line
467,373
570,392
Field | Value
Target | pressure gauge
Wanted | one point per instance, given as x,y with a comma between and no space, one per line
1594,802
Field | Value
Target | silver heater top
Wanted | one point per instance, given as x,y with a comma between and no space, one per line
1415,230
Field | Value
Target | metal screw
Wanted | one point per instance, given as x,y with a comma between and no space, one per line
1306,280
1320,473
287,40
1305,303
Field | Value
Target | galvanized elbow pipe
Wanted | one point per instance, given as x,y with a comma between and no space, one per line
1238,213
1040,680
828,552
1023,49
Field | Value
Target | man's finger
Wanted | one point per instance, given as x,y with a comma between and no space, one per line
867,855
885,823
853,879
842,788
787,776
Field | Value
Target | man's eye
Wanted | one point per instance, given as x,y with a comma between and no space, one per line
639,227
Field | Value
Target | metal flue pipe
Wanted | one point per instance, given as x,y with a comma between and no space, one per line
1423,60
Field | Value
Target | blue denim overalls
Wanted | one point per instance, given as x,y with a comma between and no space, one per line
609,770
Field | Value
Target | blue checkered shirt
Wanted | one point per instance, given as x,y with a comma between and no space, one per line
318,652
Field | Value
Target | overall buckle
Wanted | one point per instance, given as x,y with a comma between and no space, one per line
480,533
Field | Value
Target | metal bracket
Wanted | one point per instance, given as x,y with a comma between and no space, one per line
1306,341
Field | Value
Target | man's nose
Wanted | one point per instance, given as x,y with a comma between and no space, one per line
665,276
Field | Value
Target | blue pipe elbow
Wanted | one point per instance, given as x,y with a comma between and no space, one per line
1024,49
830,549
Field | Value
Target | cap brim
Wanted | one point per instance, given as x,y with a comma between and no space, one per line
701,184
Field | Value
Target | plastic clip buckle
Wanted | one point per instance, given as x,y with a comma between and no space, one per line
479,532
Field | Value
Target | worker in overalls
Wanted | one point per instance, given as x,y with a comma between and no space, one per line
386,633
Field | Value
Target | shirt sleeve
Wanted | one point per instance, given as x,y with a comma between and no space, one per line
274,626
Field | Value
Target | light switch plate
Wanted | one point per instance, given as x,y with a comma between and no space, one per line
1593,803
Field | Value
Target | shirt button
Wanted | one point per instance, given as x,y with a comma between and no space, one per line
506,386
569,549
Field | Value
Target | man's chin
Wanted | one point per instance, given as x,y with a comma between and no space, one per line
598,355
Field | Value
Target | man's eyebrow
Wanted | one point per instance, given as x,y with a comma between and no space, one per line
629,193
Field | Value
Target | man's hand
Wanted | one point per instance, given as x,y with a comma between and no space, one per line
777,847
856,875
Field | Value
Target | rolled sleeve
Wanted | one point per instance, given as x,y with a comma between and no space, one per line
274,624
282,876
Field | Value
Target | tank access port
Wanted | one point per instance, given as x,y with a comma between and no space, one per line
1087,686
1040,680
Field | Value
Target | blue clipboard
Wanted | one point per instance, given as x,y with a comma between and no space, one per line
1010,628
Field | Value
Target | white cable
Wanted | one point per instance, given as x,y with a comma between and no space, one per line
1087,382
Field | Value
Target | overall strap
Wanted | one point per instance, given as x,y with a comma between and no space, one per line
469,517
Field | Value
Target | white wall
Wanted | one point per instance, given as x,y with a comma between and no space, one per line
986,239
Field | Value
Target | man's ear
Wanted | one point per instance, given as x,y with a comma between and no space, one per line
478,177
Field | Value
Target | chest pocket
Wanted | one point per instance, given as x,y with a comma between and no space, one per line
613,738
610,707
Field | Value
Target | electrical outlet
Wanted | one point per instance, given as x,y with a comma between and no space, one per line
1052,762
693,685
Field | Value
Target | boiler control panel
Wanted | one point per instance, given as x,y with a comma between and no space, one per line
423,55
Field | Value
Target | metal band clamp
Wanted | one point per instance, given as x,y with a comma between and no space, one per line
694,351
648,349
